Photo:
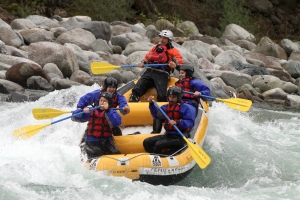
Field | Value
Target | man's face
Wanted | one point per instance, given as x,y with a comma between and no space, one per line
182,74
164,40
111,89
172,99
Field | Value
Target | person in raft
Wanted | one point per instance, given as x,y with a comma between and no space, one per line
181,114
99,136
158,77
110,85
190,84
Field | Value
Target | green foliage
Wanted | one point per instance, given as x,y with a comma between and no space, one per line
234,13
103,10
187,31
146,21
23,8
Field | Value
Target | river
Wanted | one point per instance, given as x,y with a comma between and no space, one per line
255,155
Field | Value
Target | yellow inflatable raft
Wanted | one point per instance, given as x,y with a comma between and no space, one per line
134,162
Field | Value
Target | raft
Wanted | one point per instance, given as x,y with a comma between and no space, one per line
134,162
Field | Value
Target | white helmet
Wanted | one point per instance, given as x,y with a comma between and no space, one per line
166,33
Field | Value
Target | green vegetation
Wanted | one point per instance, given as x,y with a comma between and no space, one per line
187,31
234,13
23,8
103,10
210,16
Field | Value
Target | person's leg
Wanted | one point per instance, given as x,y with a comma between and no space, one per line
93,149
110,148
157,125
150,142
161,83
144,83
116,131
171,142
161,80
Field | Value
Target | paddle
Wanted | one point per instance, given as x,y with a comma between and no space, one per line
103,67
197,152
235,103
49,113
29,131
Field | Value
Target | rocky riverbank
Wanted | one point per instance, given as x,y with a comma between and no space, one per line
39,55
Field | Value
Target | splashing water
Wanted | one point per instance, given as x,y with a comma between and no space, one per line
254,156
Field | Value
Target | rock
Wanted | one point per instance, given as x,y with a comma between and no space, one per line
19,73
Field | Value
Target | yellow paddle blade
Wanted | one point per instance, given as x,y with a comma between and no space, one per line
198,154
28,131
237,103
47,113
102,67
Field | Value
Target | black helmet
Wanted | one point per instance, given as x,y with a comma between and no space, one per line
175,90
110,81
189,70
107,96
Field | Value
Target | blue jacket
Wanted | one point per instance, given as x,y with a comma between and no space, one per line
187,115
93,98
200,86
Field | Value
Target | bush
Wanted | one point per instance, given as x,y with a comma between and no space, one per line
103,10
234,13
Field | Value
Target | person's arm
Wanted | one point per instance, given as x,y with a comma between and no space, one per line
188,114
123,104
154,111
176,57
80,118
88,99
113,118
200,86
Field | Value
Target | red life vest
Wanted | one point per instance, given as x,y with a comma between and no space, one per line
174,114
115,102
98,125
159,56
184,84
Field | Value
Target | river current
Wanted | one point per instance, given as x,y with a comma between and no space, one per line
255,155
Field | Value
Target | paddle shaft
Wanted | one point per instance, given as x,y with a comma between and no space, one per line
145,65
201,95
74,115
166,116
198,154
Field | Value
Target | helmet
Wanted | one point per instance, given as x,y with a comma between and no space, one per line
189,70
107,96
110,81
166,33
175,90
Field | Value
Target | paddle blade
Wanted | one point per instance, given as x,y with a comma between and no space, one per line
102,67
198,154
237,103
47,113
28,131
